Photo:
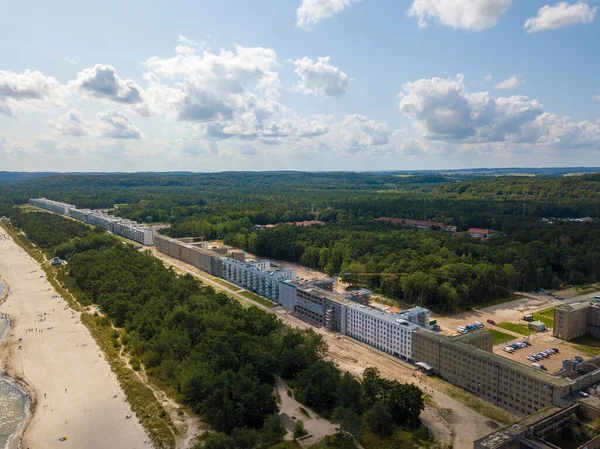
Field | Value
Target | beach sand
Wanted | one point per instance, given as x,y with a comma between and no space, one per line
71,385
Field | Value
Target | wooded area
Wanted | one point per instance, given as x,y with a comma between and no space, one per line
433,268
218,357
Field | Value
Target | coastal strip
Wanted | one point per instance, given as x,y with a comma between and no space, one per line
73,392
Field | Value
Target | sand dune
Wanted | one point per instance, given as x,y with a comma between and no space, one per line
71,385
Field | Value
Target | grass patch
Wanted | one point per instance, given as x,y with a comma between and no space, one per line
518,328
545,316
30,208
140,396
479,405
401,438
499,337
223,283
587,340
588,344
287,445
258,299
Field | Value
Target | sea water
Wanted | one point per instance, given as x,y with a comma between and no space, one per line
13,400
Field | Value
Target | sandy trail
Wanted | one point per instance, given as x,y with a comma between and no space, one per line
73,390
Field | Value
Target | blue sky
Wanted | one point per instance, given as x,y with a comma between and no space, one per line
298,84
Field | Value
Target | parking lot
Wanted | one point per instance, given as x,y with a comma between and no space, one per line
540,342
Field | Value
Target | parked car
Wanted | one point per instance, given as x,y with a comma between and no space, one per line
536,357
536,365
543,367
555,350
531,358
492,322
527,343
509,349
579,359
478,324
583,394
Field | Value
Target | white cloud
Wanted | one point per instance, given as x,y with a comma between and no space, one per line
311,12
320,78
441,109
487,78
102,81
596,97
358,133
511,83
561,15
117,125
233,92
28,90
50,145
459,14
70,124
70,61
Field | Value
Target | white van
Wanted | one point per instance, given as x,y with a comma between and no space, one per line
509,349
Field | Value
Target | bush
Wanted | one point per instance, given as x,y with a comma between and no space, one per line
299,430
135,365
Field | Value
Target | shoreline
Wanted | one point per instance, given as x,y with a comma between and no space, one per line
14,441
45,349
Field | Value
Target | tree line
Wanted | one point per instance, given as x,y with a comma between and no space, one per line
219,358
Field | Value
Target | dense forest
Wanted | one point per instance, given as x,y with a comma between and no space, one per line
438,269
221,359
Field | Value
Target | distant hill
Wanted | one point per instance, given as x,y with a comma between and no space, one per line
9,176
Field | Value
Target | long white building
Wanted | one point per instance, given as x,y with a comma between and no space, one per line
121,226
257,276
385,331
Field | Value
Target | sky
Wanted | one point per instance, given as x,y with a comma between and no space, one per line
298,85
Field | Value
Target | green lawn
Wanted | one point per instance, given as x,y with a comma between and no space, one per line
545,316
251,296
587,340
518,328
287,445
587,344
225,284
499,337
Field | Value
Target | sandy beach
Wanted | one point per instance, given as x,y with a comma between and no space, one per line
72,388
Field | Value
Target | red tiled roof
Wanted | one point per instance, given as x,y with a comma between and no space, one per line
411,222
480,231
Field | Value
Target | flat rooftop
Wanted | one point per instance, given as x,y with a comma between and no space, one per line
494,358
316,291
498,439
392,318
574,306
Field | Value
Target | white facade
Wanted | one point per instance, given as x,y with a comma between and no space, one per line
381,330
54,206
251,277
127,228
264,265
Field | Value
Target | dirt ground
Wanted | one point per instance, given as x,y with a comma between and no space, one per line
511,311
450,420
317,426
539,342
303,273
